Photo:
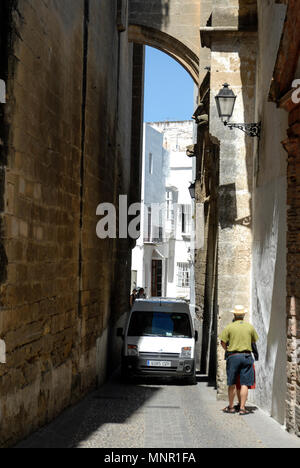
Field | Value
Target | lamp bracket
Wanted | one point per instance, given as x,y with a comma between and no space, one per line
252,129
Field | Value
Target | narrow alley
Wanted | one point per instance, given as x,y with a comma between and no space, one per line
104,203
158,414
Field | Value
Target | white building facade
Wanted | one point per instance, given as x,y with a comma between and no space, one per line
161,260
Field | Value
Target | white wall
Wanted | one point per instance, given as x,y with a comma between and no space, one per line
167,142
154,188
177,136
153,191
269,224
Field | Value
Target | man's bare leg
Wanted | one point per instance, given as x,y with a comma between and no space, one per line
231,395
244,397
238,391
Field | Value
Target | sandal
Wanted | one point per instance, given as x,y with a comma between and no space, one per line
244,412
229,410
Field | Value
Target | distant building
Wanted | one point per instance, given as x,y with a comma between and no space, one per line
161,261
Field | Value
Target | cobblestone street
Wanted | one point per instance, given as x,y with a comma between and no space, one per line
158,415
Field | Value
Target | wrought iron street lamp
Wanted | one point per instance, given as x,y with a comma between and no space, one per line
192,190
226,100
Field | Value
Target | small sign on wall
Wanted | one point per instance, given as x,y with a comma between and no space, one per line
2,352
2,92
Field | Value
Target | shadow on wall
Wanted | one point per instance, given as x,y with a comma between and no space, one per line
227,205
112,406
228,208
248,14
165,11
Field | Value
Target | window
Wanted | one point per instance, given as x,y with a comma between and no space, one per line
185,214
166,324
183,275
156,285
170,206
150,163
149,224
157,223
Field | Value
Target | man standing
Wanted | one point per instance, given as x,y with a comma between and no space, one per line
237,339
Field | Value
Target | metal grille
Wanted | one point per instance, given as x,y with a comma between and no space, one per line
161,369
160,356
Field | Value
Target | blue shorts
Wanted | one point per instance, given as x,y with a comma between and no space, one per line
240,365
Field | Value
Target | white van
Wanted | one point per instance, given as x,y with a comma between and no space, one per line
159,339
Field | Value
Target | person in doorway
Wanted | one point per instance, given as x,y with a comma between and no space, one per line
237,340
133,297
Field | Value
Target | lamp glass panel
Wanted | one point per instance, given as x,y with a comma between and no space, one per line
226,105
192,190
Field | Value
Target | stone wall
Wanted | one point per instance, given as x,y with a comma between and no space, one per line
66,147
5,33
292,146
233,60
169,25
207,186
254,181
240,14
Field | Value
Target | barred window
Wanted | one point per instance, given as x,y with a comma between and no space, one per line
183,275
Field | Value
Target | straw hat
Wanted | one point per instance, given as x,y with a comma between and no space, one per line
239,310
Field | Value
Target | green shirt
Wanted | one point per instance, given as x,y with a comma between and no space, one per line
239,336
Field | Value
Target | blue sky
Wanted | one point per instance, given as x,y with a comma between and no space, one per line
169,89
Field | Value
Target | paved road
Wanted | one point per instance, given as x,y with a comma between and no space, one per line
158,415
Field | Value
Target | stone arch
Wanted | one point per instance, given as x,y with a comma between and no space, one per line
152,37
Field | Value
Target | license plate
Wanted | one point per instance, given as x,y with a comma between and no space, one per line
159,364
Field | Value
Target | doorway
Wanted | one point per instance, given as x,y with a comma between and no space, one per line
156,282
